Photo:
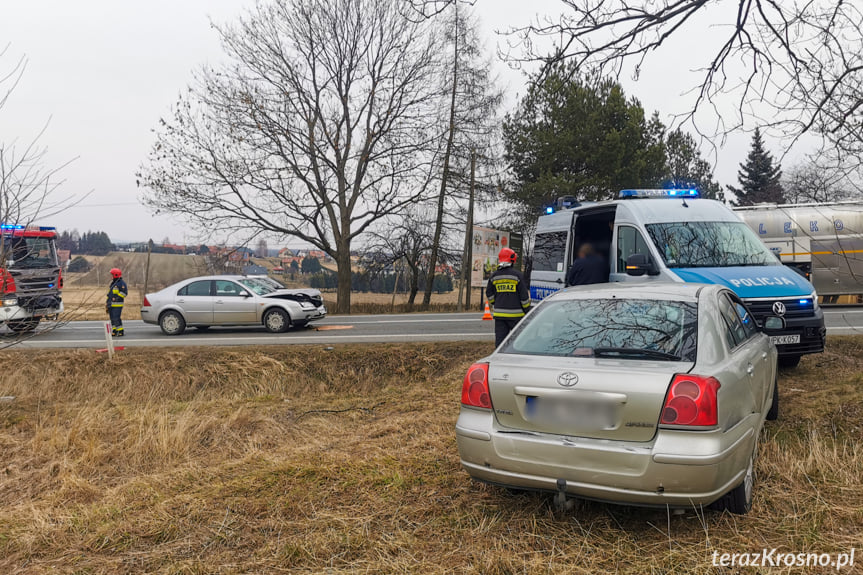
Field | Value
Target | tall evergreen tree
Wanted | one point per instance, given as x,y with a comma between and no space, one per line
759,177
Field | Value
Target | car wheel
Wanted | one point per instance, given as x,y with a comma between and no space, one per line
773,413
23,325
739,499
789,361
277,321
172,323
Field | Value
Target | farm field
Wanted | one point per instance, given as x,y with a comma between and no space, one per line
312,460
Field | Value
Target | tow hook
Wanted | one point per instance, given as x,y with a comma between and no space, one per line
560,501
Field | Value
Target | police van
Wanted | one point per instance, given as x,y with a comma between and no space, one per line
673,235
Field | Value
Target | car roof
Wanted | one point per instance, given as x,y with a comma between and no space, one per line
668,291
657,211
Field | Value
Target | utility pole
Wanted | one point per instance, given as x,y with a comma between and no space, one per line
147,269
464,280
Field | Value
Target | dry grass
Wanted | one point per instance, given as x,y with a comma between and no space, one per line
207,461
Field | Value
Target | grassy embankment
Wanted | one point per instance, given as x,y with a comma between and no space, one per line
306,460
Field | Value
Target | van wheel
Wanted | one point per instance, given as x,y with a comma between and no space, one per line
773,413
789,361
172,323
739,499
23,325
277,321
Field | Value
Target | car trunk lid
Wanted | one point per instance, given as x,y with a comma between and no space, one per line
603,398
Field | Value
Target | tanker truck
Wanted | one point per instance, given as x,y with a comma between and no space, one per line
824,242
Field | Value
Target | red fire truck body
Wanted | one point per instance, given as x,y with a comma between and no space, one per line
30,276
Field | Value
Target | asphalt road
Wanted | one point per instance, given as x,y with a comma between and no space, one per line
333,330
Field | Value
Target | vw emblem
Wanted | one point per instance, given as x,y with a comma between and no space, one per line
779,308
567,379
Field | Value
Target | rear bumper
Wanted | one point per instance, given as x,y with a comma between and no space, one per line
676,468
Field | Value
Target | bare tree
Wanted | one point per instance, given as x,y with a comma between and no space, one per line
318,128
407,240
798,66
812,182
471,117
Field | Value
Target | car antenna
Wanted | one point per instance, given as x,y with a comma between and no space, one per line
685,205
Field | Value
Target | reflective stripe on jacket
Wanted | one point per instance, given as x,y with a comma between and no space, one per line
507,293
117,293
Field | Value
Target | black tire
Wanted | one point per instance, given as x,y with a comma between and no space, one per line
739,499
23,325
277,321
789,361
773,413
172,323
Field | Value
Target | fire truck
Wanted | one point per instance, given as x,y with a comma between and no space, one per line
30,276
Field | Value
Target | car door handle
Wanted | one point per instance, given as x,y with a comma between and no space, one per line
181,301
750,369
219,301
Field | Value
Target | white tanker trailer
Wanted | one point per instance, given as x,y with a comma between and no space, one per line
822,241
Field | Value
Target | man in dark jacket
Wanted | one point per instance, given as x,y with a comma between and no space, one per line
508,295
116,300
589,268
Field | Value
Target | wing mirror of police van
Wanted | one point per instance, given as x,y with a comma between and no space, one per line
639,264
773,323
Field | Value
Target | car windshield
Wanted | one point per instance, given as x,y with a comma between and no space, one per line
33,253
709,245
257,286
619,328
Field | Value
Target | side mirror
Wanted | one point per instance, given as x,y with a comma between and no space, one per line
773,323
639,264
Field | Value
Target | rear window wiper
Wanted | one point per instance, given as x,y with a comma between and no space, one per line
635,351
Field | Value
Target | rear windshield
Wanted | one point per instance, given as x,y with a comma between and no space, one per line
619,328
709,244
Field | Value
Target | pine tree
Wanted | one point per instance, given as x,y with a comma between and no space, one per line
759,177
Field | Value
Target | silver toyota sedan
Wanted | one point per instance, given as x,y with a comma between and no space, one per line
231,301
628,393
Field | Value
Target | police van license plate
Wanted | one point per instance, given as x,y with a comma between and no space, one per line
570,415
785,339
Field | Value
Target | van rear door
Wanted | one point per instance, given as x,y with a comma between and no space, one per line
551,254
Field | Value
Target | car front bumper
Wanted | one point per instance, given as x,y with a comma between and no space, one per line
15,312
676,468
312,314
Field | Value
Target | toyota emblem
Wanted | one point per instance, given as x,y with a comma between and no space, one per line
567,379
779,308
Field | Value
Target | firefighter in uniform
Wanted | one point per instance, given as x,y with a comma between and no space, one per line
508,295
116,298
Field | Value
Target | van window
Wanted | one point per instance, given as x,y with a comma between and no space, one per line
629,242
709,245
549,252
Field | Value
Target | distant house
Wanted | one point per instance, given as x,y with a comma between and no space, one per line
255,270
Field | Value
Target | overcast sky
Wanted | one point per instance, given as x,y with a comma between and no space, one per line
103,72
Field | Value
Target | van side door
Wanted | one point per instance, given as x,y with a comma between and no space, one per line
550,254
628,240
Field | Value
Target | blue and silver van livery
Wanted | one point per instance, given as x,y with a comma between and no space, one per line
672,235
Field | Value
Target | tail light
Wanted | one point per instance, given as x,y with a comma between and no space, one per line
474,390
7,282
691,402
146,302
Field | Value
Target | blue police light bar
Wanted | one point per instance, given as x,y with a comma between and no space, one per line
549,210
12,227
628,194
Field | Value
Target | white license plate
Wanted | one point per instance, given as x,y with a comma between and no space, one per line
570,414
784,339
